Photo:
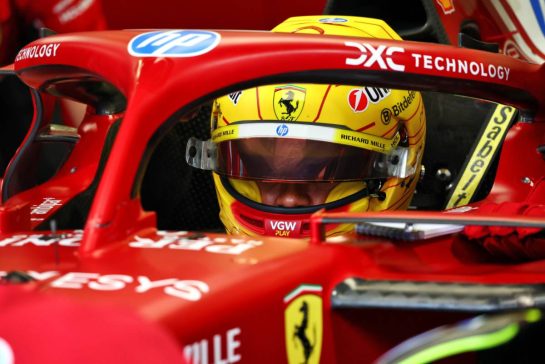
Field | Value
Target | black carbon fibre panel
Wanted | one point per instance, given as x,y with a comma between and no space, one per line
441,296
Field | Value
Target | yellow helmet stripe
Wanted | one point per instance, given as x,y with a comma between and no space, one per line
305,131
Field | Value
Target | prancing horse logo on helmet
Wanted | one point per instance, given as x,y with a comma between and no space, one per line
288,102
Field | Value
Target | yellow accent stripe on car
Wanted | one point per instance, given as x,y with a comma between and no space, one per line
305,131
482,156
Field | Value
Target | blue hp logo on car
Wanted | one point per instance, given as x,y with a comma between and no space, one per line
173,43
282,130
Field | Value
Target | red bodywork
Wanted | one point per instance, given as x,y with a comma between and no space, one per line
224,296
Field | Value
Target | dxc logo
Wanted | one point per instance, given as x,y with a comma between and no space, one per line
381,55
173,43
282,130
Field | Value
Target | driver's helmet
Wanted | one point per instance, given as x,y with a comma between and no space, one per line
348,148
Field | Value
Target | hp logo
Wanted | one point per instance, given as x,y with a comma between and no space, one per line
173,43
282,130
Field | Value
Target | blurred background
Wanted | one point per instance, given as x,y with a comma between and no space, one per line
233,14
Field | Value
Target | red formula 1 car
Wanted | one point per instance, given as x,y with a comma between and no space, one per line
100,213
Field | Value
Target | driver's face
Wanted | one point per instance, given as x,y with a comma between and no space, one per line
281,158
278,159
286,194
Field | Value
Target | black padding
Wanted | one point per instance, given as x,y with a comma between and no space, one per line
183,197
452,125
411,19
15,117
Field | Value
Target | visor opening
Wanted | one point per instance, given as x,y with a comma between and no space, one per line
291,210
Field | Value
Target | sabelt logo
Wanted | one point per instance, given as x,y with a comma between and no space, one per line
381,56
482,156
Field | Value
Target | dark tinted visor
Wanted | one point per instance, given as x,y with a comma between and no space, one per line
288,159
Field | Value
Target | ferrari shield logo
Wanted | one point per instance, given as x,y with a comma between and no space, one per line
304,325
288,102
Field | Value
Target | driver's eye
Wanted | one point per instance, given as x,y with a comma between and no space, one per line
254,163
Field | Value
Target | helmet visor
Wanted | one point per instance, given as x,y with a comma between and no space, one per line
296,160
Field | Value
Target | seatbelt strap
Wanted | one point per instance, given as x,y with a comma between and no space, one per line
483,152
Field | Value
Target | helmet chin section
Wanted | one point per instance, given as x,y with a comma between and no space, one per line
271,224
289,222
